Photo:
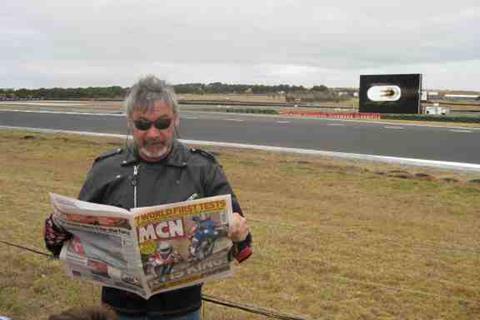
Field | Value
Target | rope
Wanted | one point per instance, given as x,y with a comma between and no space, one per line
25,248
251,308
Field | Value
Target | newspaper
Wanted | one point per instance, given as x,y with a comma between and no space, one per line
146,250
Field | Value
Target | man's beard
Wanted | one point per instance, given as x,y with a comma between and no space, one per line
159,150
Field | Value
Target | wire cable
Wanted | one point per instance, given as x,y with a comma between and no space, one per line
25,248
251,308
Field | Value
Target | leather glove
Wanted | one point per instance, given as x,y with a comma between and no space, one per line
54,236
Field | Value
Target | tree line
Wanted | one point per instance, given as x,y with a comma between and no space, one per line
218,87
117,92
114,92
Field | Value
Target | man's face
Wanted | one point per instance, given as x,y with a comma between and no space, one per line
154,144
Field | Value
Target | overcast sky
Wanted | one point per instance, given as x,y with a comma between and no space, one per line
309,42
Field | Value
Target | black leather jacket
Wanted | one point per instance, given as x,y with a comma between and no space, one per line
181,174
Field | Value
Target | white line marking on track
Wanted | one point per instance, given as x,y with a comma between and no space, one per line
188,117
231,119
43,104
282,121
58,131
460,130
462,166
336,124
394,127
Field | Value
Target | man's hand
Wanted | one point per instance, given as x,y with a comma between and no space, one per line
54,236
238,229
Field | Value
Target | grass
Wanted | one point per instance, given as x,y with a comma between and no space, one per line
271,98
434,118
333,239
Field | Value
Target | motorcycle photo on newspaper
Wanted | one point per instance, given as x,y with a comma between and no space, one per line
203,237
162,262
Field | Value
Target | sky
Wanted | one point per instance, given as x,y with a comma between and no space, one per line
65,43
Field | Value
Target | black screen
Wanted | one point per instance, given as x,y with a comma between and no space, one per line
390,93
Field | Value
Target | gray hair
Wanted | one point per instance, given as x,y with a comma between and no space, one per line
148,90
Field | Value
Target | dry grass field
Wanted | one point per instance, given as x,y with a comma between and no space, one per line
333,239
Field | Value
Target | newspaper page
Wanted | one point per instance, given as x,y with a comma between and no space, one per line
103,247
184,243
146,250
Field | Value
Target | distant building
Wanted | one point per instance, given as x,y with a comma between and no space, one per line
426,95
462,96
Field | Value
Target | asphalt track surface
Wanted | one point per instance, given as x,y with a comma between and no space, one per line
383,139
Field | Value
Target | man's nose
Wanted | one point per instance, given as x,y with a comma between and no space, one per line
153,132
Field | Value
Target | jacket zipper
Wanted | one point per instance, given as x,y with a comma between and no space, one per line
134,184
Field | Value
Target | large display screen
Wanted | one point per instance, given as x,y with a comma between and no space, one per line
390,93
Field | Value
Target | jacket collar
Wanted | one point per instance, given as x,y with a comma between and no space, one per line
178,156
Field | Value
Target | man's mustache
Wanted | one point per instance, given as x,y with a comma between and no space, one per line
153,142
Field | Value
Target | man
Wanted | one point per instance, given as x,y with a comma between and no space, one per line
157,169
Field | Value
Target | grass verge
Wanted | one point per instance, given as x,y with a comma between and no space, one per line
333,239
434,118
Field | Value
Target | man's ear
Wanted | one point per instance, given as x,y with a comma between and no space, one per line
177,121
